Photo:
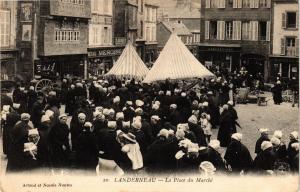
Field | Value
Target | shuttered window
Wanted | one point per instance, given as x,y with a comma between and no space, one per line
207,3
268,31
297,46
283,20
221,3
221,30
4,28
254,27
207,29
282,43
237,26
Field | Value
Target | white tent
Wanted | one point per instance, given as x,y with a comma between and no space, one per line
176,62
129,65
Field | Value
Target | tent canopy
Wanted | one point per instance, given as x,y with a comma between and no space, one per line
129,65
176,62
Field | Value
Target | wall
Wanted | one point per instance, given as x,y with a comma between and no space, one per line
190,23
69,9
278,31
119,7
56,48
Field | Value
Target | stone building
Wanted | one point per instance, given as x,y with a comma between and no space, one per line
236,33
102,52
8,32
284,58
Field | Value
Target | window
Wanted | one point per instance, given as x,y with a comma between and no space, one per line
246,30
290,46
246,3
213,30
237,4
148,34
263,30
4,28
62,35
142,29
105,6
154,15
105,32
214,3
291,19
265,3
228,30
148,14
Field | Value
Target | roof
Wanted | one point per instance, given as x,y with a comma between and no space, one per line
129,64
178,28
176,62
182,13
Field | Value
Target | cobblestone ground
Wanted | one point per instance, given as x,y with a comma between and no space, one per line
251,118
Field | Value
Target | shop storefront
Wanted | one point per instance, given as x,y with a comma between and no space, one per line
220,56
150,53
62,66
8,64
101,60
286,67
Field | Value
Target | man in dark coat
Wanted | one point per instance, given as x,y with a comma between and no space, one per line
237,155
233,115
265,159
59,143
11,119
32,97
263,137
87,148
277,93
37,111
184,106
70,102
225,131
20,96
76,127
19,135
173,115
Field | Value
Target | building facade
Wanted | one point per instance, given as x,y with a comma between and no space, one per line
165,29
102,52
8,32
149,32
236,33
284,58
63,38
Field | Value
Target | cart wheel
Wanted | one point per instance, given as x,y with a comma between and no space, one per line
43,85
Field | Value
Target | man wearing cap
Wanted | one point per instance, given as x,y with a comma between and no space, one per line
264,136
237,154
19,136
59,143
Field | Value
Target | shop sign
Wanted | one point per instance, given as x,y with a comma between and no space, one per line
105,53
220,49
6,56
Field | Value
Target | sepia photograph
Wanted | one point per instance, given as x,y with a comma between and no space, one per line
149,95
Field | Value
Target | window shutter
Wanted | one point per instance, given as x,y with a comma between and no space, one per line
283,19
256,30
268,3
206,29
221,4
297,19
218,30
256,3
268,31
222,37
234,30
234,4
297,46
252,3
282,50
240,3
239,30
207,4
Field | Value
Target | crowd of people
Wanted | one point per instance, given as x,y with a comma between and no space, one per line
126,126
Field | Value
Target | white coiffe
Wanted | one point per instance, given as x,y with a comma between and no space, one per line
176,62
